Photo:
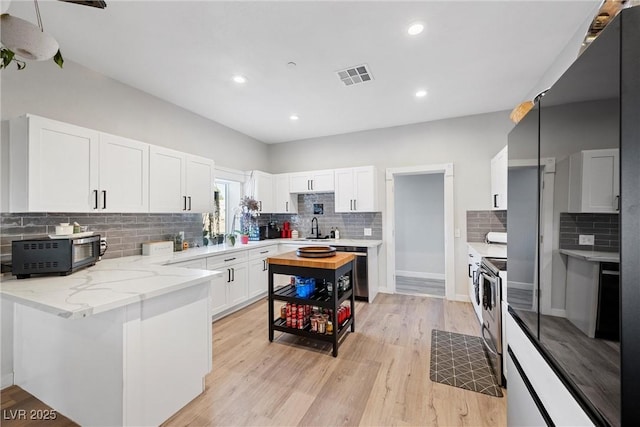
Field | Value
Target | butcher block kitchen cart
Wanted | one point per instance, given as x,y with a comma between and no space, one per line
323,270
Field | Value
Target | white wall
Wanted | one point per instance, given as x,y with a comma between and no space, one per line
419,223
6,347
83,97
467,142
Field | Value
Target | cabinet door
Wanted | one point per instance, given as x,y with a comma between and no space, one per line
472,271
322,181
344,190
199,184
499,172
364,181
62,165
285,202
124,175
258,277
299,182
166,180
220,292
262,190
238,286
600,181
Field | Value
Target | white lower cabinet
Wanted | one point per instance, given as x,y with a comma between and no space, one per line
259,269
230,288
244,278
473,265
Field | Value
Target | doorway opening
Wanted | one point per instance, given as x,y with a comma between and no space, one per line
420,254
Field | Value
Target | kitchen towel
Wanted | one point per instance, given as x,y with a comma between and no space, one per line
460,361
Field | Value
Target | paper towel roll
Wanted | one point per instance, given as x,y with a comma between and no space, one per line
496,237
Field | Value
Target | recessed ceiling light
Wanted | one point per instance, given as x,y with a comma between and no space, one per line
294,117
421,93
239,79
415,29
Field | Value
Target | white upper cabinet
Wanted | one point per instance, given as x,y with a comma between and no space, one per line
499,172
199,183
260,186
321,181
356,189
124,175
285,202
179,182
59,167
594,181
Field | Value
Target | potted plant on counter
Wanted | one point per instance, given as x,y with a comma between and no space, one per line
249,211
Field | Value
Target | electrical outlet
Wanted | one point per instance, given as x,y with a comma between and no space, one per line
367,232
586,239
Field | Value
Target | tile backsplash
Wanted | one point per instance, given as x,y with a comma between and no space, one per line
351,225
125,233
479,223
604,228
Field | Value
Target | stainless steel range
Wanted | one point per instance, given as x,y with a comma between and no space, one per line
491,276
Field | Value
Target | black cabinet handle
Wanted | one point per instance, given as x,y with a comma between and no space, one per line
104,199
469,271
311,184
228,275
264,252
286,204
260,206
264,265
308,184
95,195
495,200
189,197
618,202
233,274
229,259
184,199
355,204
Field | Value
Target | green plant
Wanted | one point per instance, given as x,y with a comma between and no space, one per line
7,56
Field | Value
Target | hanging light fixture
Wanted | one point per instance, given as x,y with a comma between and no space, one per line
26,40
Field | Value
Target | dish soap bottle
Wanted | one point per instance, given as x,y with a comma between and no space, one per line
337,233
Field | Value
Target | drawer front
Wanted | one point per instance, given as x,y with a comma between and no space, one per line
263,252
221,261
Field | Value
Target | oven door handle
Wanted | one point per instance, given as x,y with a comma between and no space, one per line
484,340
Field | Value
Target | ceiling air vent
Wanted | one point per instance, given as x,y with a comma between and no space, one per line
354,75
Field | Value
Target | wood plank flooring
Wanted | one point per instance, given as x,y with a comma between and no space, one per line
380,377
419,286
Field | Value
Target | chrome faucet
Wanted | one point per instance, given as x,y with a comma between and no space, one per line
316,227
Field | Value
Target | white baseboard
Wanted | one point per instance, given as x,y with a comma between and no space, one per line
521,285
461,298
6,380
420,275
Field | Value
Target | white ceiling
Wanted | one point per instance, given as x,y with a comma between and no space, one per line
473,57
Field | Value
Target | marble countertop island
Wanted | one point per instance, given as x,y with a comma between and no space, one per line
109,284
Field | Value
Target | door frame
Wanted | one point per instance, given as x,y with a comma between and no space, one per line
449,250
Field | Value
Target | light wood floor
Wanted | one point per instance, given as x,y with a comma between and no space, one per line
380,377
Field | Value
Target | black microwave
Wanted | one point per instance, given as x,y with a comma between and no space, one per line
53,256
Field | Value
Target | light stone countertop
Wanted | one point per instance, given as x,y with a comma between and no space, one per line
114,283
594,256
105,286
489,250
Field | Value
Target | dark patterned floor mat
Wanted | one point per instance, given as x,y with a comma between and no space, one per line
460,360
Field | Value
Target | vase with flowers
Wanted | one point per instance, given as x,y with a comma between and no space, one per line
248,210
